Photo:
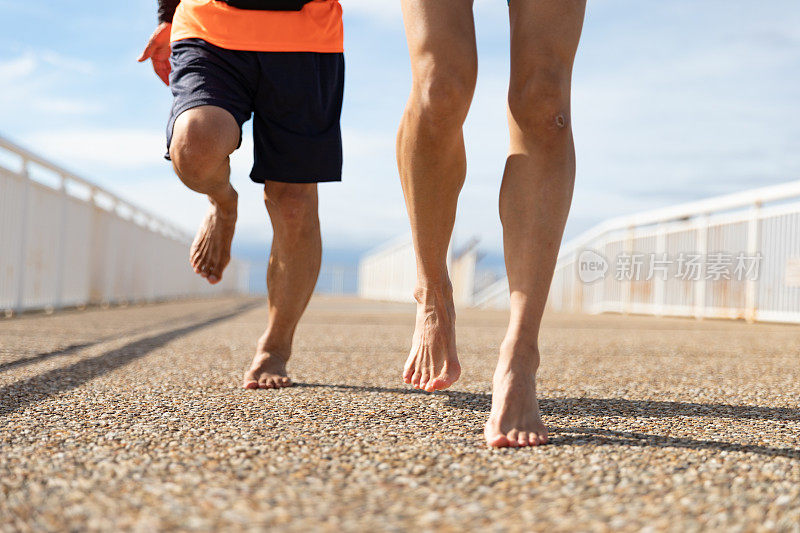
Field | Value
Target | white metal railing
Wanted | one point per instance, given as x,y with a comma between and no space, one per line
65,241
389,272
759,229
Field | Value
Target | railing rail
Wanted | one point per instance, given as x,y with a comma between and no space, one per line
761,224
717,204
72,242
152,221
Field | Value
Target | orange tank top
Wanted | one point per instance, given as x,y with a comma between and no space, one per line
316,28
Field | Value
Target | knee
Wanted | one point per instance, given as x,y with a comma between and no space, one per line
443,95
292,206
196,153
539,104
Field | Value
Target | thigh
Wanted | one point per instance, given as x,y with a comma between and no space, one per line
211,86
441,37
544,37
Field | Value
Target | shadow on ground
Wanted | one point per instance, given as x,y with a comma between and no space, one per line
615,407
19,394
72,348
474,401
577,436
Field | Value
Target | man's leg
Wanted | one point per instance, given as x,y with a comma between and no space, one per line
432,164
534,201
291,276
202,140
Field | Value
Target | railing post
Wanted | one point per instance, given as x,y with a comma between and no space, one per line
93,296
23,238
753,247
338,281
61,245
112,253
660,293
628,249
601,304
700,284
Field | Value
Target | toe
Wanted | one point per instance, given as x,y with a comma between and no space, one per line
213,279
285,382
522,438
415,379
512,436
543,438
439,383
423,380
497,441
433,385
446,377
408,371
250,384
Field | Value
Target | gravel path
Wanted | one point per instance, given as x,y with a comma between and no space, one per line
132,419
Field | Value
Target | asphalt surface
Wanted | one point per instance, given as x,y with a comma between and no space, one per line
133,419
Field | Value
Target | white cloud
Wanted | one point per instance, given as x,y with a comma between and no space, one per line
65,106
35,81
18,68
60,61
98,149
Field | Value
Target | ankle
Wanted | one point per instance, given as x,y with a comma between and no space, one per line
516,351
275,348
431,292
225,201
274,356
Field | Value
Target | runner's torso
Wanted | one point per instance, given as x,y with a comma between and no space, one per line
315,28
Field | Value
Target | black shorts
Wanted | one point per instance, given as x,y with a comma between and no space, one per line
295,98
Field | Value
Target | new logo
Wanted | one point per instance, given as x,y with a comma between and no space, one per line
591,266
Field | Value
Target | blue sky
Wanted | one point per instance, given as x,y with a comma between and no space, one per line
672,101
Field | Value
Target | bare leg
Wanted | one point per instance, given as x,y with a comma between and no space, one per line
202,140
432,164
291,276
534,201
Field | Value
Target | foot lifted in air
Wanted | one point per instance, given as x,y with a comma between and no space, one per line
433,362
211,250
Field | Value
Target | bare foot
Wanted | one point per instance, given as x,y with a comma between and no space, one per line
211,250
268,371
433,362
515,419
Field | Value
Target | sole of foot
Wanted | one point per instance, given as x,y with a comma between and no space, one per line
433,363
515,419
210,252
